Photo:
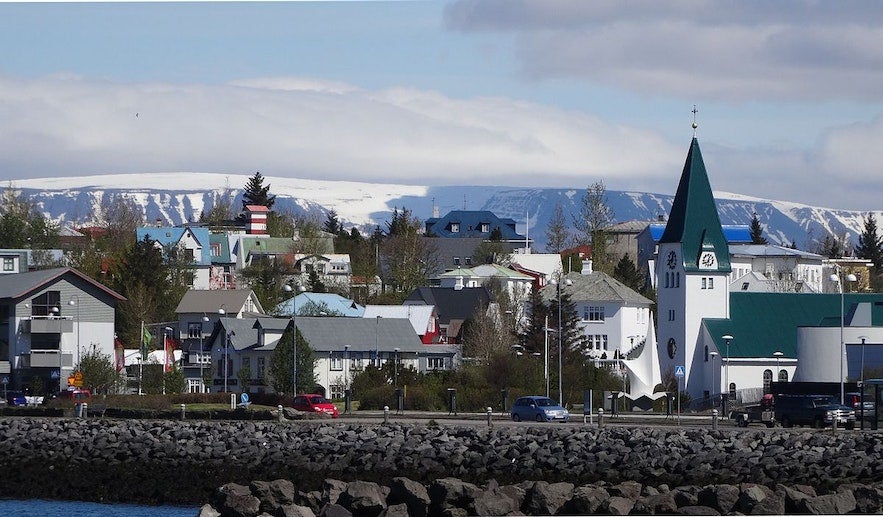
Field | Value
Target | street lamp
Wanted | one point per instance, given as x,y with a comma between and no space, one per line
713,355
566,282
836,279
223,313
726,397
777,354
862,373
75,300
201,351
296,290
376,360
395,365
55,311
546,331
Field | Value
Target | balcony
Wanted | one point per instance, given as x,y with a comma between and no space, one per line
43,325
48,359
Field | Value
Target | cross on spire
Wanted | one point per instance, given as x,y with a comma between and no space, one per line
695,125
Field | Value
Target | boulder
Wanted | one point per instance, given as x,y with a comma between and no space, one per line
273,494
236,500
586,500
334,510
294,510
617,506
546,498
722,498
363,498
411,493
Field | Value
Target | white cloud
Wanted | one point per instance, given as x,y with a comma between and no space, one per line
295,127
733,51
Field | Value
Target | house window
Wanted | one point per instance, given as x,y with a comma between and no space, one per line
678,279
711,283
456,261
246,365
671,315
706,353
262,366
744,286
767,380
485,227
216,249
783,376
42,305
455,227
336,361
704,283
194,330
188,255
598,341
336,391
435,363
8,264
468,261
596,313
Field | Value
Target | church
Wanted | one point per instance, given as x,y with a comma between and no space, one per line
720,344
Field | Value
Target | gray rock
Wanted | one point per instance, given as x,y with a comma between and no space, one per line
331,490
334,510
838,503
656,504
449,493
237,501
547,498
273,494
722,498
294,510
697,510
617,506
628,489
208,511
751,494
411,493
586,500
495,502
868,499
363,498
771,505
396,510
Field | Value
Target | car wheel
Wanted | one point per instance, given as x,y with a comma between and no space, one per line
850,425
741,421
515,417
540,418
817,423
770,424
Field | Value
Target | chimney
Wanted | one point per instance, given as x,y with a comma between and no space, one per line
459,285
660,218
587,267
159,222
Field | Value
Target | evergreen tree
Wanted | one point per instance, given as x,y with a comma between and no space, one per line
332,223
407,259
870,244
99,373
757,231
627,273
281,367
22,225
534,336
256,193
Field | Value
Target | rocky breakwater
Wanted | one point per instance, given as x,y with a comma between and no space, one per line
183,462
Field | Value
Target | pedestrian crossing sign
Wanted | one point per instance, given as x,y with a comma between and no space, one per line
679,371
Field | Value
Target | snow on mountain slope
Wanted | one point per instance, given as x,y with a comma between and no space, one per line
178,197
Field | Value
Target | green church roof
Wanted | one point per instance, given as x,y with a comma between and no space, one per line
693,220
762,323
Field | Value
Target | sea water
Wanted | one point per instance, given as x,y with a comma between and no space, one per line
43,508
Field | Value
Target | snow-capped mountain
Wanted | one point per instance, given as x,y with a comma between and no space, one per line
175,198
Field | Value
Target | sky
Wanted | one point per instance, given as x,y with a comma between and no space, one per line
546,93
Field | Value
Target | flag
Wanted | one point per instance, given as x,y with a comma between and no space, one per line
169,348
145,341
119,354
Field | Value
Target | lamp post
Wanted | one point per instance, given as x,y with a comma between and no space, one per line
201,351
546,331
376,341
75,300
862,373
836,278
726,397
296,290
395,368
55,311
713,355
346,357
223,313
566,282
777,354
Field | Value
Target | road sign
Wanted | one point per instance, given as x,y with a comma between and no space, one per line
55,374
679,371
4,380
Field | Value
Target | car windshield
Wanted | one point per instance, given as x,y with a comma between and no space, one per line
318,400
546,402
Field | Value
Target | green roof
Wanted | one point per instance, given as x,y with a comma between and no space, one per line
693,220
762,323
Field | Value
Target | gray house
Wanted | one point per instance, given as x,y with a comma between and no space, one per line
48,319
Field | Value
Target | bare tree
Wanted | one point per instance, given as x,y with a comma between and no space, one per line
557,233
594,217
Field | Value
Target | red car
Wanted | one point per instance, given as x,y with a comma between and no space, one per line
315,404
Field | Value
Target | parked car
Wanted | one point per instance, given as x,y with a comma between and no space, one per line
313,403
16,398
814,410
854,399
77,396
541,409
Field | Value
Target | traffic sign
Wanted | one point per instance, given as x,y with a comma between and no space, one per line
55,374
679,371
4,380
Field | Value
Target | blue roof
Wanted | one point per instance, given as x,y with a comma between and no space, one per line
733,233
172,235
336,303
469,223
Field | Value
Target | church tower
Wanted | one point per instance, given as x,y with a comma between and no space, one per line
692,270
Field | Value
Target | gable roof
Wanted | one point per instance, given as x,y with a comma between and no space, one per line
363,335
420,316
694,221
451,304
546,263
762,323
334,302
18,285
244,332
772,250
167,236
197,301
596,286
470,222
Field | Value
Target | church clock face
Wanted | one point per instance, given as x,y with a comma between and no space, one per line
672,348
672,260
707,260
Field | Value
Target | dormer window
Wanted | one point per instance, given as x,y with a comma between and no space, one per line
455,227
485,227
456,261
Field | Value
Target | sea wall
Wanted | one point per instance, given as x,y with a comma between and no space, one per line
184,462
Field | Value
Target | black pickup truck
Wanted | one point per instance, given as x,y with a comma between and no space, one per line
813,410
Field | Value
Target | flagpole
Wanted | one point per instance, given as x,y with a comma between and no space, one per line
141,359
